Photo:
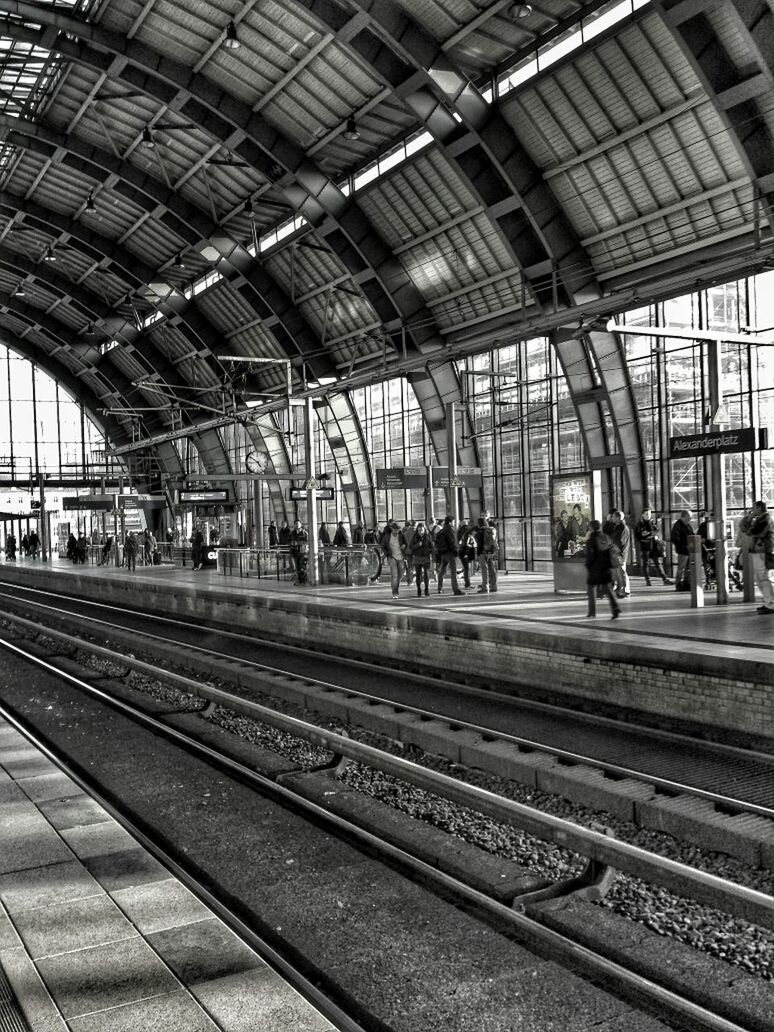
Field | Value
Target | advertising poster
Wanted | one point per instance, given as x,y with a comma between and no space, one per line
572,506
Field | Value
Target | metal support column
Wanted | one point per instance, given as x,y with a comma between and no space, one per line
312,572
718,472
43,522
451,449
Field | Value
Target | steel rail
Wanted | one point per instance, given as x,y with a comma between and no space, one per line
573,757
408,675
663,1000
738,900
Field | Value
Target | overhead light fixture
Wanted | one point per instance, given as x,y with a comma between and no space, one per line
351,132
322,381
147,138
231,42
90,205
89,331
249,210
179,263
20,291
520,11
49,256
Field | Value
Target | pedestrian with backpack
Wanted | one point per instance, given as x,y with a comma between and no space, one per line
486,545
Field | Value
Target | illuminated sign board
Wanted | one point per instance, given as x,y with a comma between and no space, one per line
298,494
203,496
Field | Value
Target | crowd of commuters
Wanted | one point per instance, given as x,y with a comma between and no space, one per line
438,552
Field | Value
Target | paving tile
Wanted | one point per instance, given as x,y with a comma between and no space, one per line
258,999
73,812
176,1012
45,886
29,841
49,786
13,800
26,762
160,905
116,871
33,997
105,976
8,937
203,951
98,839
74,925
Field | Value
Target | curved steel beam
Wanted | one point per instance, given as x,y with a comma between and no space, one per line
308,190
480,144
238,266
741,95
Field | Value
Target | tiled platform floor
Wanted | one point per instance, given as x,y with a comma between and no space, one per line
96,936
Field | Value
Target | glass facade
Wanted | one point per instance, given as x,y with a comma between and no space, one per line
41,429
523,424
525,428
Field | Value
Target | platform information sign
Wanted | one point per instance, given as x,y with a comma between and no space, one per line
714,442
92,503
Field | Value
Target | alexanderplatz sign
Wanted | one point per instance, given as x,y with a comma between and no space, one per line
716,442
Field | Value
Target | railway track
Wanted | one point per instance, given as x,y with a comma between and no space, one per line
70,717
595,760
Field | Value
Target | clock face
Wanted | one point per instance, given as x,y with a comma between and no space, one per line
254,463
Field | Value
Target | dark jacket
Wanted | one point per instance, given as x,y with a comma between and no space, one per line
323,536
422,549
598,559
466,540
358,534
644,533
621,537
273,536
340,538
284,535
679,536
446,540
298,541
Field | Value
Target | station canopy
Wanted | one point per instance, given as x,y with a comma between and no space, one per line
203,206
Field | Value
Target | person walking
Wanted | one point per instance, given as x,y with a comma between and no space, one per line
408,537
466,544
762,535
486,546
681,531
646,536
273,534
299,550
130,552
197,546
620,538
34,544
599,570
422,557
446,548
393,548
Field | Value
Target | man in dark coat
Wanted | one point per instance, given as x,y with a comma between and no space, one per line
599,569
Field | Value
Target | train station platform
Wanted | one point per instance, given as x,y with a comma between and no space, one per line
713,665
97,936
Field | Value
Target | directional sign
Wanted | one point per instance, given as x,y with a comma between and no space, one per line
401,478
467,476
203,496
298,494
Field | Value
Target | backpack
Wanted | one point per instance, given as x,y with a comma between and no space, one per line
489,539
